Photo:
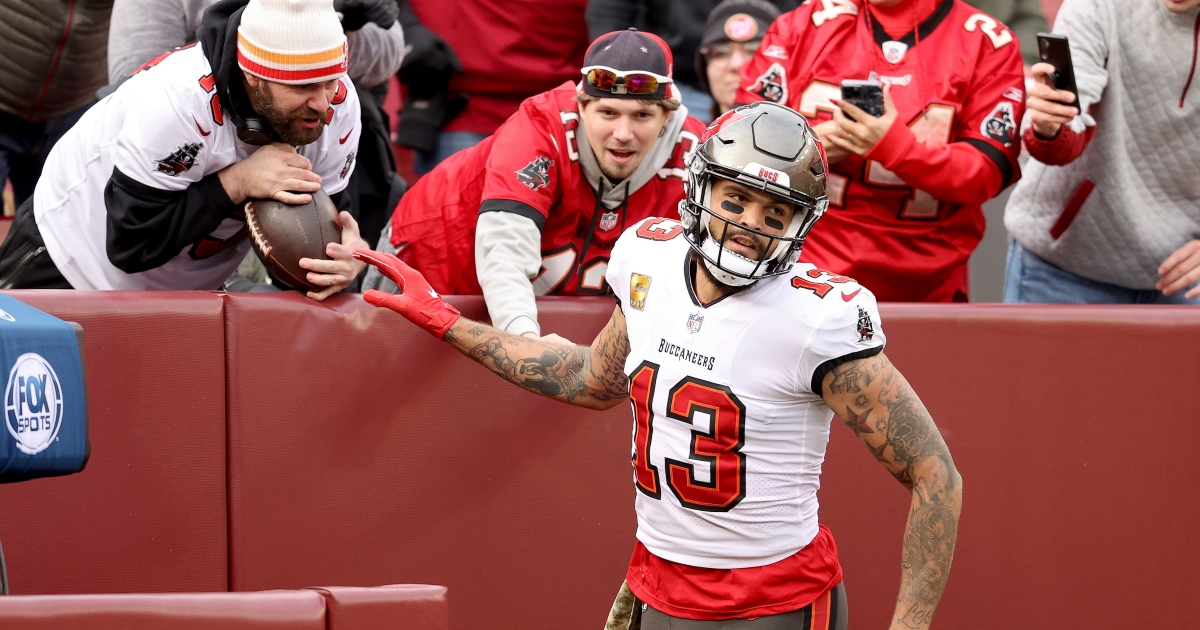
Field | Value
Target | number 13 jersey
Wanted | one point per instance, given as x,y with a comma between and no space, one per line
730,428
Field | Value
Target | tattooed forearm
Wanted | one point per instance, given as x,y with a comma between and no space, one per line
554,373
928,545
878,404
589,376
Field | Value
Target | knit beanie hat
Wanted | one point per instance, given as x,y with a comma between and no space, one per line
733,21
292,41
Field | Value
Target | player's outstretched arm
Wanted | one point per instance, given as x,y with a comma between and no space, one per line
588,376
877,403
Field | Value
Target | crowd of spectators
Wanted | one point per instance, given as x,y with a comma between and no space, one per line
1106,205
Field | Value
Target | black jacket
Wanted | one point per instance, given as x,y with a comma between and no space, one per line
679,22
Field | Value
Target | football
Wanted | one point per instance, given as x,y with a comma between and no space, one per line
282,234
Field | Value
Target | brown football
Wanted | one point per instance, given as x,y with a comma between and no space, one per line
282,234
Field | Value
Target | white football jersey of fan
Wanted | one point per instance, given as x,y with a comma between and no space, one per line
729,428
165,128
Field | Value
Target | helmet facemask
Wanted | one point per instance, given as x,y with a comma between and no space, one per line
782,251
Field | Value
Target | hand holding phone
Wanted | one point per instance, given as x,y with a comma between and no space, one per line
865,95
1053,99
1054,50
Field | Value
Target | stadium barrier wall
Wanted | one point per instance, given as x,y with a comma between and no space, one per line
398,607
362,451
147,514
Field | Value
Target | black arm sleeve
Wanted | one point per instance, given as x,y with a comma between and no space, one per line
149,226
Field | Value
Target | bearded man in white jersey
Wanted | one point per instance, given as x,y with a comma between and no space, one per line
146,191
735,359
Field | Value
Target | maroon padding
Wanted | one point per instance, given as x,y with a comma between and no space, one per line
272,610
148,512
1075,431
378,455
363,452
393,607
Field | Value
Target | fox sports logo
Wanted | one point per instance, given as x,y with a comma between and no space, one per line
33,403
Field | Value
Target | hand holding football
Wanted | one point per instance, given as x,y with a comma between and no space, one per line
282,234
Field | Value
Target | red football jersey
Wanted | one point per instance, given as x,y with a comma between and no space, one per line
531,165
509,51
903,220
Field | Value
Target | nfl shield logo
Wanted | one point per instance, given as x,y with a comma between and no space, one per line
894,51
608,221
694,321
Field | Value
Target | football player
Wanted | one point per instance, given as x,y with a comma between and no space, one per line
735,359
905,186
536,208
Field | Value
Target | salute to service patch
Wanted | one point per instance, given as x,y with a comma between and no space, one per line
639,286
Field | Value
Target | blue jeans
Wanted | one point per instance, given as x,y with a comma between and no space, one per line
699,104
24,146
1029,279
448,143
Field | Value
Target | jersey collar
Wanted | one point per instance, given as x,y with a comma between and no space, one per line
924,29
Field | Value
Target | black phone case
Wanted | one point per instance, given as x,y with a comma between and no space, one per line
1053,49
867,98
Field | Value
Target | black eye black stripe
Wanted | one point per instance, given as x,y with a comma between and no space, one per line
729,206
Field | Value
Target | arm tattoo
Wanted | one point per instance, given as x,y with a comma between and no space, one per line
555,373
610,350
591,376
884,412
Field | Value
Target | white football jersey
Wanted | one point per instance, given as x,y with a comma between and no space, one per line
165,128
729,433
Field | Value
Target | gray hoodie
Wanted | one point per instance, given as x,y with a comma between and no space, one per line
1134,67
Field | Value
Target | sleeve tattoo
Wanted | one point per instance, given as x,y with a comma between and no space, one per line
590,376
877,403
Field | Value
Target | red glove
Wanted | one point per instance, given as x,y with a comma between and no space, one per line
417,301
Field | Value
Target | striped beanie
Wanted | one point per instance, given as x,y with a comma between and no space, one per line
292,41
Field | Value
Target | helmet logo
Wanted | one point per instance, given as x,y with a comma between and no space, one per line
768,173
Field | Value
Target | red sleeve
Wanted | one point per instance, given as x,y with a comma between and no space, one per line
525,162
1061,149
955,172
980,158
765,76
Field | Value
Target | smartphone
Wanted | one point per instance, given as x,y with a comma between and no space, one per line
866,95
1053,49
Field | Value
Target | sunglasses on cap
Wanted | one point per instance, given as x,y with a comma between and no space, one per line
619,82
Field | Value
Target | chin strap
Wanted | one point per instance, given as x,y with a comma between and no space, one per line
417,301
